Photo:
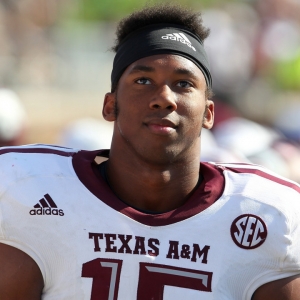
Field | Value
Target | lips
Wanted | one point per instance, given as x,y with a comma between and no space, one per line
161,126
162,122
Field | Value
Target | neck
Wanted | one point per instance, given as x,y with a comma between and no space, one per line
152,187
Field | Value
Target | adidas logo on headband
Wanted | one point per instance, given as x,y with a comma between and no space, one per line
180,37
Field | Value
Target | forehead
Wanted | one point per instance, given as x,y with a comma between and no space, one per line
165,62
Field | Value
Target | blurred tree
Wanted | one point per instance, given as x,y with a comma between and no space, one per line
107,10
287,73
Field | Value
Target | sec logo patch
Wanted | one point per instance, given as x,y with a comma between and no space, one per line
248,231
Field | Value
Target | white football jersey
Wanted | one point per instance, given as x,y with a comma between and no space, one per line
238,230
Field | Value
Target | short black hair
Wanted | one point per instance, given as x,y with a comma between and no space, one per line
161,13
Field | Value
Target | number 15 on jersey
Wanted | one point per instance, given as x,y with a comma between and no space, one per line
152,279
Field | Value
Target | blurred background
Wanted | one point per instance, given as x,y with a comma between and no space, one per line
55,64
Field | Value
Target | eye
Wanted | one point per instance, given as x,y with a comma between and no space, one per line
184,84
143,81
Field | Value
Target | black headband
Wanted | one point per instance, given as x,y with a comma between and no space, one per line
160,39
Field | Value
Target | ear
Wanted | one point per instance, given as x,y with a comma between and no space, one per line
108,110
208,119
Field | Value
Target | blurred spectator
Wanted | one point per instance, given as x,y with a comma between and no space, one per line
244,136
26,38
230,53
13,119
288,122
290,152
211,151
252,141
86,134
278,42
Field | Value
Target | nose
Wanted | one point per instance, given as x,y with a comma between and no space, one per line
164,98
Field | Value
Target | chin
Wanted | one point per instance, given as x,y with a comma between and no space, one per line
160,155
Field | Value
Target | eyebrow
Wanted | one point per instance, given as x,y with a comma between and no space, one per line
143,68
184,71
180,71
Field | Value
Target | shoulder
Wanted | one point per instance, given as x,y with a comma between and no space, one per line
21,162
255,179
249,186
257,189
36,149
33,152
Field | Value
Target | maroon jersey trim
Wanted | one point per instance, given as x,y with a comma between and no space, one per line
265,175
209,191
37,149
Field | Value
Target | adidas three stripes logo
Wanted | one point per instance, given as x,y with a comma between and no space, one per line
46,206
180,37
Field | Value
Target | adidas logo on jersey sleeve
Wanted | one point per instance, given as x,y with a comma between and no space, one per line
46,206
180,37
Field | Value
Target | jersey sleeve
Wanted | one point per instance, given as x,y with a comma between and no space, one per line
12,173
292,259
26,175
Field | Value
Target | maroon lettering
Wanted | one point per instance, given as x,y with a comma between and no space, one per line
153,278
47,211
248,231
198,252
106,277
110,238
124,240
54,211
152,245
185,251
139,245
96,237
173,250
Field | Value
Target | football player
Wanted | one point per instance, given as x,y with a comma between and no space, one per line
145,220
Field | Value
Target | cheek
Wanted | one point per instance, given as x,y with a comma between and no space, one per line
129,116
194,108
193,115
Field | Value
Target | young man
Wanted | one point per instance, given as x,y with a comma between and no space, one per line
145,220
